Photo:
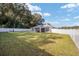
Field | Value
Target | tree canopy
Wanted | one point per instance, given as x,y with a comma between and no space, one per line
18,15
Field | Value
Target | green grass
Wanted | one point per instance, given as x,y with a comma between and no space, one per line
36,44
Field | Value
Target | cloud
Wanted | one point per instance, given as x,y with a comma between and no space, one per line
46,14
66,19
37,9
38,13
71,5
33,8
43,14
76,17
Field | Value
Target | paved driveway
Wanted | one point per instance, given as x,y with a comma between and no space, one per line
72,32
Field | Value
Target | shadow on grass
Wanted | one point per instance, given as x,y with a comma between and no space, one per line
41,39
12,46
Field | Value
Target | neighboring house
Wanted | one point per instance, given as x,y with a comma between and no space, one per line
46,27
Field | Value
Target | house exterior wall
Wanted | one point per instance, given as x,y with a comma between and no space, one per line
42,29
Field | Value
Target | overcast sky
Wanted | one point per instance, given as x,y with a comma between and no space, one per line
57,14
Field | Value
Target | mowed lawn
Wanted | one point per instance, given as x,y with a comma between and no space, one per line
36,44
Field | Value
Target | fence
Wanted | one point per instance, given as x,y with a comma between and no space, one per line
15,30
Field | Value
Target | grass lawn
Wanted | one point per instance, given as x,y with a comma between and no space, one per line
36,44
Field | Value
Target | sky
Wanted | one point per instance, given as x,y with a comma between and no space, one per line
57,14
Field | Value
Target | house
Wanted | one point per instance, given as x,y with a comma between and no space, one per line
46,27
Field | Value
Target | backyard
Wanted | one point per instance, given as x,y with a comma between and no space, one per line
36,44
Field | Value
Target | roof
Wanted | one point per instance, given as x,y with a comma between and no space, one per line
44,25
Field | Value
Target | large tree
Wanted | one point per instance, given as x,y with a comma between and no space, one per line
18,15
37,19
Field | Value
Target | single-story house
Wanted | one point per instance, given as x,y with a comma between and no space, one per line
42,28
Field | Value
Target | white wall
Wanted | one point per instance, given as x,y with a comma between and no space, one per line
14,30
64,31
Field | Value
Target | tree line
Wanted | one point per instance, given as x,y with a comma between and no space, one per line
69,27
18,15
